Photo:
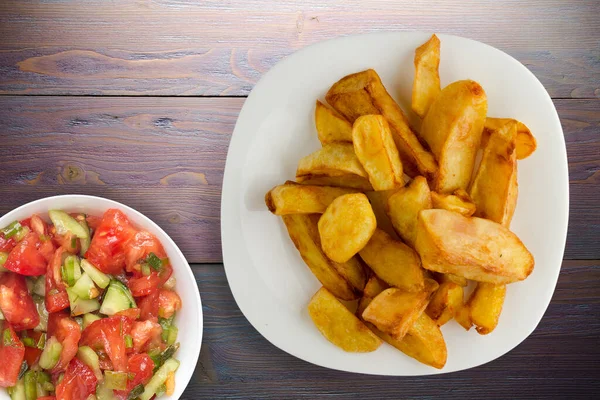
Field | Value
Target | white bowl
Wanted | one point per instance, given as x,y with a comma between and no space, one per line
270,282
188,320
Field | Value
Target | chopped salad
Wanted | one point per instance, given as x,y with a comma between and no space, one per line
87,307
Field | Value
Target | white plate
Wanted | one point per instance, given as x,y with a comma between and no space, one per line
269,280
188,319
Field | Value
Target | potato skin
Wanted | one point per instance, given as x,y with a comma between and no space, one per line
526,143
453,202
334,159
426,85
293,198
404,205
485,306
331,125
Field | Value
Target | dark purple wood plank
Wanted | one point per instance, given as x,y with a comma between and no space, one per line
165,157
211,47
558,360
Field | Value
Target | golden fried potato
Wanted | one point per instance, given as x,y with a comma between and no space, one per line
303,231
526,143
404,207
339,325
459,280
461,203
346,181
379,204
334,159
445,302
463,317
393,262
494,188
474,248
375,148
293,198
485,306
395,310
452,128
374,287
363,93
346,226
426,85
331,126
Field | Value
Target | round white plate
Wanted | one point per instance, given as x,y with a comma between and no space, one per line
268,278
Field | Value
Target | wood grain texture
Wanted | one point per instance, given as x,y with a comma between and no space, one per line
165,157
237,363
214,47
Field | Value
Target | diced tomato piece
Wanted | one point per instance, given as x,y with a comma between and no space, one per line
68,333
140,246
25,258
38,225
168,303
26,222
6,245
47,398
11,355
141,285
93,221
133,313
32,354
108,335
47,249
66,241
16,303
140,366
145,333
79,382
56,294
107,251
148,306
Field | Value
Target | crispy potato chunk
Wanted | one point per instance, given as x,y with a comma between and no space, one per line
379,202
393,261
293,198
331,126
459,280
374,286
463,317
459,202
526,143
445,302
485,306
395,310
334,159
346,181
452,128
494,189
363,93
404,207
346,226
473,248
375,148
339,325
303,231
426,85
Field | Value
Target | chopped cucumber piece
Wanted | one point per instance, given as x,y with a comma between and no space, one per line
3,258
1,316
28,342
64,223
71,271
85,288
117,298
159,357
88,319
51,353
103,392
116,380
128,341
146,269
39,286
136,392
30,383
172,335
86,241
159,378
48,386
40,390
20,235
12,229
81,306
40,304
99,278
170,283
17,392
90,358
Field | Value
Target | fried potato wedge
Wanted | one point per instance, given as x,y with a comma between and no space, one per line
374,287
485,306
453,202
303,231
463,317
375,148
346,226
445,302
334,159
471,247
363,93
452,128
459,280
526,143
394,262
395,310
346,181
293,198
404,206
331,125
339,325
426,85
494,188
379,204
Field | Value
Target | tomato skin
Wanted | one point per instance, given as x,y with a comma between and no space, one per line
140,246
66,242
11,356
106,251
56,295
145,333
38,225
25,258
168,303
108,335
32,354
79,382
141,285
47,398
148,306
141,366
68,333
133,313
6,245
16,303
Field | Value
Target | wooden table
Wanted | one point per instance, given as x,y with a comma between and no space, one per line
136,100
